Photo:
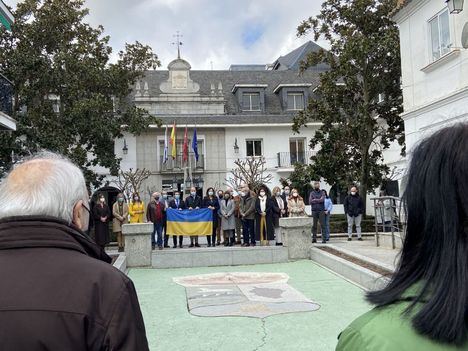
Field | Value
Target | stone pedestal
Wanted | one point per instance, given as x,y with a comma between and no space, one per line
297,237
138,244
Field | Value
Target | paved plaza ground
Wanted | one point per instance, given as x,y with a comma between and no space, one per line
169,325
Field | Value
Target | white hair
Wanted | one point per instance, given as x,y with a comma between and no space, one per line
54,193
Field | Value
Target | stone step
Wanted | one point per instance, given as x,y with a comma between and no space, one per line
218,256
361,276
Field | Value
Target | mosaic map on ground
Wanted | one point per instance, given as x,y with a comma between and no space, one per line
248,294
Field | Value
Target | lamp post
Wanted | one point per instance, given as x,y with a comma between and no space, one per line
125,148
455,6
236,147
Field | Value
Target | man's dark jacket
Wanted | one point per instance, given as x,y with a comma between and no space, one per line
193,202
59,292
353,205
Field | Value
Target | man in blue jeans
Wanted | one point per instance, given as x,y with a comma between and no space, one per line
155,214
317,203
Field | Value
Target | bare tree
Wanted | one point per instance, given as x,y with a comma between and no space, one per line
250,171
129,182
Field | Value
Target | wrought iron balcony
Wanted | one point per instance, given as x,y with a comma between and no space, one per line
289,159
177,164
6,95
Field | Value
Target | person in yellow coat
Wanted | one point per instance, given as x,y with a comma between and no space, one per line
136,209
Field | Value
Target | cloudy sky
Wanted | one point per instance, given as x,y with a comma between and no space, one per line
216,33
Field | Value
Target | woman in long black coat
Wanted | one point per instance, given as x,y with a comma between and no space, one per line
101,215
212,202
264,208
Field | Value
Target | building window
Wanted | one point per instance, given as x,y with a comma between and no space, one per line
440,35
296,150
254,148
251,101
295,101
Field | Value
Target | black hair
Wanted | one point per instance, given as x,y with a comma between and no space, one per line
326,194
435,248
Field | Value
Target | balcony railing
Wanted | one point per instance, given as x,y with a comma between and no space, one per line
177,164
289,159
6,95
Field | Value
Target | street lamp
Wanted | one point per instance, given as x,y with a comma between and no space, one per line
455,6
125,148
236,147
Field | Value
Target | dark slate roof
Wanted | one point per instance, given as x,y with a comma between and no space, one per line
230,78
238,119
292,60
252,67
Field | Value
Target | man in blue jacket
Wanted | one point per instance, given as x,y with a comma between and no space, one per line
317,204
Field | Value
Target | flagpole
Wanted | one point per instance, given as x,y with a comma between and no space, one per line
189,165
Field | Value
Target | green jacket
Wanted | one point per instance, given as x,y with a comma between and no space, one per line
385,329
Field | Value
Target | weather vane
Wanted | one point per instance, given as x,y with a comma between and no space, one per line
178,43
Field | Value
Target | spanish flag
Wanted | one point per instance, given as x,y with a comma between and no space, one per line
173,141
189,222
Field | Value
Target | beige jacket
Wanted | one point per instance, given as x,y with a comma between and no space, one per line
296,208
119,219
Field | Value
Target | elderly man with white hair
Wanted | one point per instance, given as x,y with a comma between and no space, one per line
59,291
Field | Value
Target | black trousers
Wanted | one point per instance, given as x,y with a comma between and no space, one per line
318,216
248,231
174,240
212,238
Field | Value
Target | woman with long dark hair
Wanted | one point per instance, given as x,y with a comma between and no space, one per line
425,305
211,201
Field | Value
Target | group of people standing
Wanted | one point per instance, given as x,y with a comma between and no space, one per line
244,217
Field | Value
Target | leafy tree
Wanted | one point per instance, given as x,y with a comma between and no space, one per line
69,97
359,98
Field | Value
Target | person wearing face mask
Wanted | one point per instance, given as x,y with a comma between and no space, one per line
285,196
296,205
192,202
155,215
60,291
228,221
165,201
317,204
178,204
211,201
264,222
120,213
218,229
354,208
101,215
136,209
247,212
238,218
278,212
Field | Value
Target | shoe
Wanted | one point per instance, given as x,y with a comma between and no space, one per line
225,243
191,245
209,244
324,242
166,246
231,244
160,247
197,245
174,247
238,242
314,241
218,243
359,239
253,244
153,247
328,239
181,246
349,239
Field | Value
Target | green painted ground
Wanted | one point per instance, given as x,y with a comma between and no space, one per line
169,325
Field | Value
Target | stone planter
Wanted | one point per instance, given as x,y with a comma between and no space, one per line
297,237
138,244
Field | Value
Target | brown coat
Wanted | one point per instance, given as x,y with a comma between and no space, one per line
59,291
296,208
119,219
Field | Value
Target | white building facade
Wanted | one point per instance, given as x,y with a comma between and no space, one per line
434,61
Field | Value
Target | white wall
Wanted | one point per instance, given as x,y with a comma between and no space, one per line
435,94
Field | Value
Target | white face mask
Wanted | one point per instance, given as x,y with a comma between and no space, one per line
102,200
193,193
353,193
210,193
294,194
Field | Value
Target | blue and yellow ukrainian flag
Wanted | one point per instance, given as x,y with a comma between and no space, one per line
189,222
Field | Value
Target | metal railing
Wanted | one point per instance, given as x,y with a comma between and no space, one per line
389,217
6,95
178,164
289,159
